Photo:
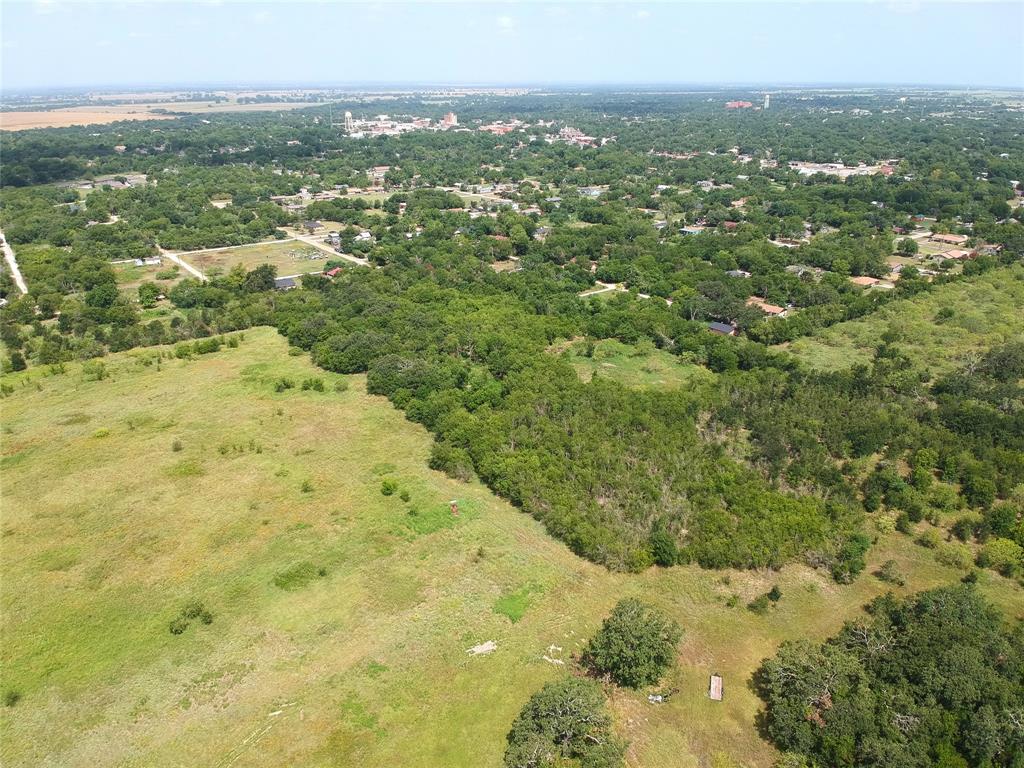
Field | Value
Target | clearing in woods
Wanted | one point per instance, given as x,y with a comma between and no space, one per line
290,257
641,365
341,618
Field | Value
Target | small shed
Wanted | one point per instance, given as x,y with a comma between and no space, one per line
285,283
715,688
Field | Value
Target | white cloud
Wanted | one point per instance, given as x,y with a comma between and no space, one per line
506,22
643,14
44,7
262,17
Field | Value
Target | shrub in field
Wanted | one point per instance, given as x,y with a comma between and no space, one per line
206,346
193,610
635,644
890,573
759,605
388,487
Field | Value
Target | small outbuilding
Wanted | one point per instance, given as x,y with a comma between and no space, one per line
723,329
285,283
715,688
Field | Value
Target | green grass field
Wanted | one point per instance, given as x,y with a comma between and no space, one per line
341,617
986,311
635,366
130,277
290,258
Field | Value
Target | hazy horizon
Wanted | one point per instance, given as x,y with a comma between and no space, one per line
93,45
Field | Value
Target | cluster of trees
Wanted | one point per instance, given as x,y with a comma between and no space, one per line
567,719
96,318
933,680
616,473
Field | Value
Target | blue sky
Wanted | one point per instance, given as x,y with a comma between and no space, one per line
51,43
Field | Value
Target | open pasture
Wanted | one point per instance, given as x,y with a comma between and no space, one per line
102,114
340,618
939,329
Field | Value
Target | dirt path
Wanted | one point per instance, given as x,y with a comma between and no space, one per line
605,287
311,240
184,264
12,264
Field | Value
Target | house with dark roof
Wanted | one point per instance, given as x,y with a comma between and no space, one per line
285,283
722,328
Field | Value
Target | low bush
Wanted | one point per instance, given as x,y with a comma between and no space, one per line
889,572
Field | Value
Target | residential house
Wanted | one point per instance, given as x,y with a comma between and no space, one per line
772,310
949,239
864,281
956,253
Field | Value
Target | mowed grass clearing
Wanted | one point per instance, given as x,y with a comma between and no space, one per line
291,258
986,310
341,617
642,365
130,276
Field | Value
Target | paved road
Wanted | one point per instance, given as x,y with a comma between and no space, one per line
12,264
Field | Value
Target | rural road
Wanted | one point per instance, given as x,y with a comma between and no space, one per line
311,240
175,256
605,287
183,264
12,264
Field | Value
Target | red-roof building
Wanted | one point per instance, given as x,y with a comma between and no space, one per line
772,310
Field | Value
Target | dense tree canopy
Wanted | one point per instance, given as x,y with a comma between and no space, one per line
933,680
